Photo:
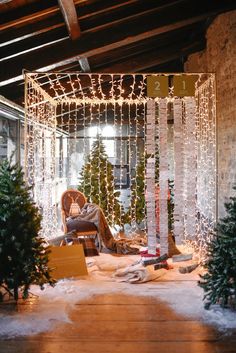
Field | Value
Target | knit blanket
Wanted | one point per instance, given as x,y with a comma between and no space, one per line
93,213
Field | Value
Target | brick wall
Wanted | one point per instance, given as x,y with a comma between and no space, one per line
220,57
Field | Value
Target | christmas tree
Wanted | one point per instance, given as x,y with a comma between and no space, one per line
23,255
97,184
137,210
219,282
170,206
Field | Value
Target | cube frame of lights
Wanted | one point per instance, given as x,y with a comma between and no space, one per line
67,102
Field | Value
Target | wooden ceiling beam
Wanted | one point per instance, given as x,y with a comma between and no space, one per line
85,6
175,65
13,43
154,57
87,10
43,9
111,37
60,32
192,32
28,44
170,61
88,22
31,33
70,16
29,19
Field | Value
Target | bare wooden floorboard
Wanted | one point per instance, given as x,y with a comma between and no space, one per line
118,323
119,299
45,346
122,312
137,331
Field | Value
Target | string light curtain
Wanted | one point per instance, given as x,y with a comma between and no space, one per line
178,171
40,148
206,151
116,108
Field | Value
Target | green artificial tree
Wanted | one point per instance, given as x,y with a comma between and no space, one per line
23,254
98,185
137,208
219,282
171,206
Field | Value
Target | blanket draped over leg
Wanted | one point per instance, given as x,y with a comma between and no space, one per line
93,213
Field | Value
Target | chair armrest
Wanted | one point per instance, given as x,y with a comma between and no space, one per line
63,218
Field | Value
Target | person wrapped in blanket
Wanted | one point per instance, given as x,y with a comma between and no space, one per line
93,213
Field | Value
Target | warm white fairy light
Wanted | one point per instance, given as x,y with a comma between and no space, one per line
141,156
121,156
163,176
74,139
107,185
132,86
144,156
129,131
89,162
52,177
71,81
142,87
80,88
84,139
99,157
61,173
115,123
190,167
178,171
40,133
70,145
69,92
150,176
111,97
102,106
136,161
112,91
119,101
132,163
206,167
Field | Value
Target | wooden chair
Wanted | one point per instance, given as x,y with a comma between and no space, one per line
80,228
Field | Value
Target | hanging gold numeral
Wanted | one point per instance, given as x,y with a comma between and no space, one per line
184,85
157,86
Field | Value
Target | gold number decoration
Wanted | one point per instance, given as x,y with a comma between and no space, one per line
157,86
184,85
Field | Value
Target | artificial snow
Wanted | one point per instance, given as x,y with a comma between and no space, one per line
179,291
43,319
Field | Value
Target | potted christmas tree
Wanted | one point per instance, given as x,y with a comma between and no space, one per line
23,253
219,282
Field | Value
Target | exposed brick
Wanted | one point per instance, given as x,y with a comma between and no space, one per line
220,57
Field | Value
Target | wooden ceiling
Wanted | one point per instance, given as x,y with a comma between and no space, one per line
100,36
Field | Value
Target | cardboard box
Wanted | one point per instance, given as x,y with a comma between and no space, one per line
67,261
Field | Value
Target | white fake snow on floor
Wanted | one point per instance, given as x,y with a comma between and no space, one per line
179,291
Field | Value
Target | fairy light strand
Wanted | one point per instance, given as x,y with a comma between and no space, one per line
178,171
163,176
46,91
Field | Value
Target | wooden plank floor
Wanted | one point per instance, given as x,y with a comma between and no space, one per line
117,323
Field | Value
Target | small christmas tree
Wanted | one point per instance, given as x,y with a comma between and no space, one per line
219,283
97,183
170,206
23,255
137,210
